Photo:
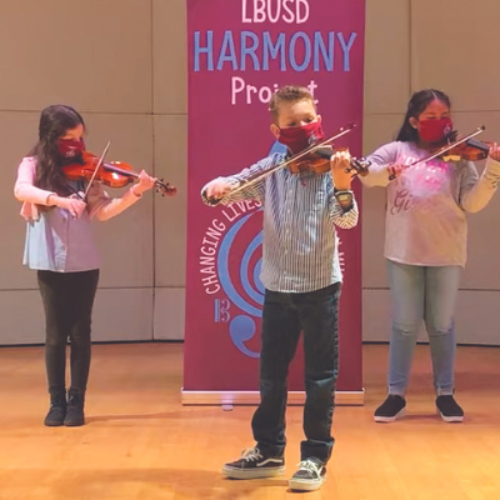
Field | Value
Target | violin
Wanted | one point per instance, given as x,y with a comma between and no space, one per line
318,161
115,174
471,149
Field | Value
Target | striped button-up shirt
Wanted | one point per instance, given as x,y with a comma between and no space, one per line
300,245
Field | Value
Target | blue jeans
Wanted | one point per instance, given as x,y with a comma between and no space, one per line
429,294
285,315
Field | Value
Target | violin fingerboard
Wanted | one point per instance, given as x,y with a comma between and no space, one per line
478,145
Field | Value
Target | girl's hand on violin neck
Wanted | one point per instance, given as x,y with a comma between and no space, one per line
342,174
495,152
146,182
217,188
74,205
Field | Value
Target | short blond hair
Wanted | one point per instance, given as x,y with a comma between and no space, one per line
288,94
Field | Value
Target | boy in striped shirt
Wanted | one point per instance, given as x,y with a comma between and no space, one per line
302,279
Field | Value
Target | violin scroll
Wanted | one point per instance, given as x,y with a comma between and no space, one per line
165,189
360,166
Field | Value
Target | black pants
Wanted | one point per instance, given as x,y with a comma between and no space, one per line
67,299
285,315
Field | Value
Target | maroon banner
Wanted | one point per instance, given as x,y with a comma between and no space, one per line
239,53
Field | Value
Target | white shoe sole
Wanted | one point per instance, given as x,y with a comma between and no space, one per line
451,420
301,485
386,420
231,473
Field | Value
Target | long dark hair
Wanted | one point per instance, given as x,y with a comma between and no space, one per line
55,121
418,102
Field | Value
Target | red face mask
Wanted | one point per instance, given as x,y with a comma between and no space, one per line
299,138
69,148
433,131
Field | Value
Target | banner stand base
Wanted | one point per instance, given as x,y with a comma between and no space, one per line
236,398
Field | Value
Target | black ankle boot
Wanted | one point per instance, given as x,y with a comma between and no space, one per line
57,411
74,412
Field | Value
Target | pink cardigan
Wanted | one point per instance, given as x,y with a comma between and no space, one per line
100,204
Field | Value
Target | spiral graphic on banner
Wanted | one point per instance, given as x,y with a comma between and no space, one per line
243,288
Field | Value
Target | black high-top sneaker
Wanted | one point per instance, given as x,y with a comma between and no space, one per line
253,465
74,411
310,475
57,410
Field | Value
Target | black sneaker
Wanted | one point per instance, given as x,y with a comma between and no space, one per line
310,475
449,409
253,465
391,409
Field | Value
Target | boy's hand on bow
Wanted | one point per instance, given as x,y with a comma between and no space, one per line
218,188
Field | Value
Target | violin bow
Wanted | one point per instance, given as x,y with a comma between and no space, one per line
243,185
98,166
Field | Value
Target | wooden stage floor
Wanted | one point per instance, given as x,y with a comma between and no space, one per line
140,443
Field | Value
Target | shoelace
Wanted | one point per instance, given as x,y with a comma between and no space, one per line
310,466
252,455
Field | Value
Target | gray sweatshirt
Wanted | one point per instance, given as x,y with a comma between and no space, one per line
426,205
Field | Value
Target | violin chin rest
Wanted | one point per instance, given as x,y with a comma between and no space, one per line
451,157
